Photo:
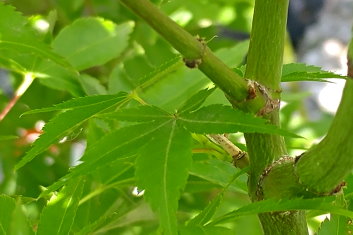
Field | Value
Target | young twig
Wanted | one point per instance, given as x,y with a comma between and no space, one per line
27,81
240,157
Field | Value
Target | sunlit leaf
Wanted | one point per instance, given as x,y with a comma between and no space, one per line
65,122
18,37
302,72
21,50
92,41
162,170
58,216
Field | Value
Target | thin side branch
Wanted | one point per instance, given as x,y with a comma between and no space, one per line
264,65
27,81
196,53
240,157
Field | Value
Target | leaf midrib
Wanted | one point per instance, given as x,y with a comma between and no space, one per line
164,179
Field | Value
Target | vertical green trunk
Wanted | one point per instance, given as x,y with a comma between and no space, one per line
264,65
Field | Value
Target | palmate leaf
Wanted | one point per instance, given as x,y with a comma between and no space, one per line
144,113
325,204
162,170
149,113
212,119
58,216
65,122
207,120
302,72
77,103
92,41
119,144
217,119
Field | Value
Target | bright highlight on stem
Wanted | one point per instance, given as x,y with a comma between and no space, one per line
27,81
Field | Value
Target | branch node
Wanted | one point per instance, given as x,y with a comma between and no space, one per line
271,104
267,170
254,89
338,188
194,63
252,85
296,159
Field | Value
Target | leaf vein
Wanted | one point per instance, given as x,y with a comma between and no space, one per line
165,197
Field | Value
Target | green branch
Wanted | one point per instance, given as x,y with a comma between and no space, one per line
264,65
320,170
325,165
195,52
